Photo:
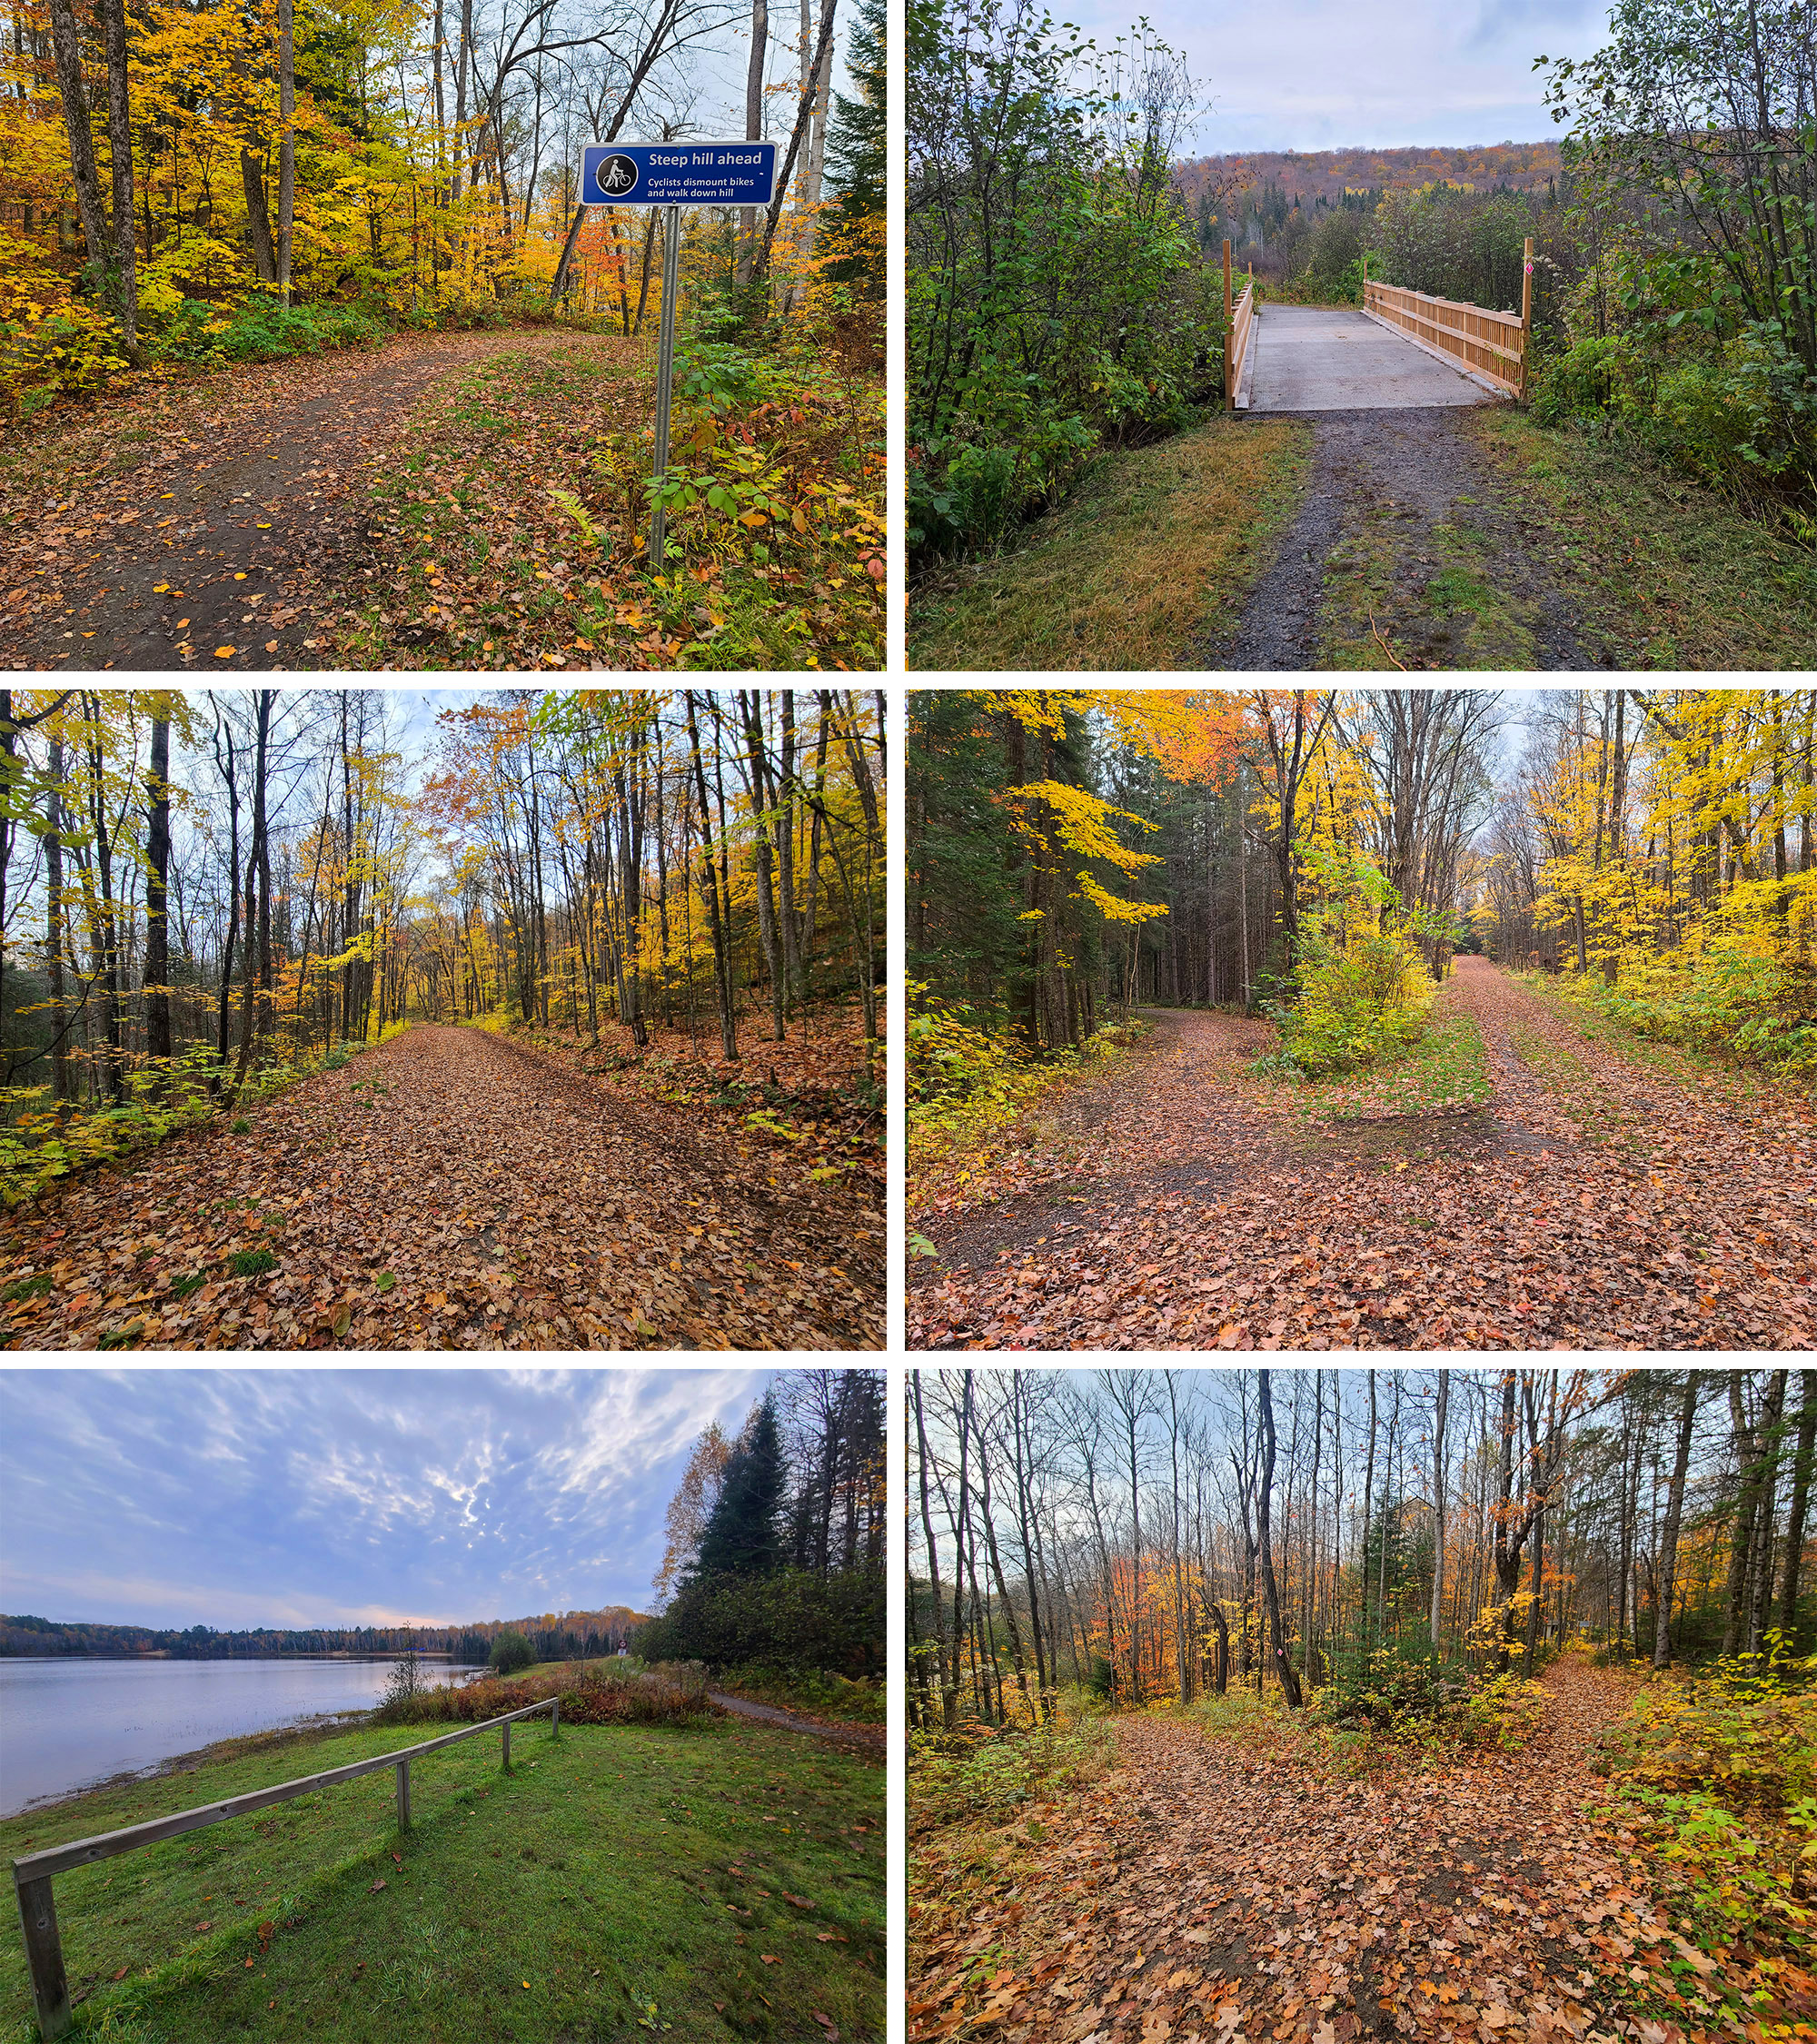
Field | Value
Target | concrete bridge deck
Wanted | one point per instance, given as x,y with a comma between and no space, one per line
1307,359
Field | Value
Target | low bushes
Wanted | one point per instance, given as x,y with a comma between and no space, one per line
796,1620
1734,995
1719,1774
812,1690
1361,992
1407,1694
591,1693
264,330
1359,1003
44,1143
990,1771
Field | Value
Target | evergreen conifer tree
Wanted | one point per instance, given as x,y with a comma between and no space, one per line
744,1533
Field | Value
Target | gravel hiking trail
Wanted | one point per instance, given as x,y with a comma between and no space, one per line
1236,1888
861,1738
452,1190
1184,1200
1386,486
228,512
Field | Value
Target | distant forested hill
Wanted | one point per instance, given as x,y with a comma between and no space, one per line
1309,175
556,1636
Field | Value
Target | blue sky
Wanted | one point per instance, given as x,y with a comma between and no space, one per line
1326,74
347,1497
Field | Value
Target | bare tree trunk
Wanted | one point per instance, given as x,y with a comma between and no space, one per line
1284,1667
157,917
1801,1496
754,129
1759,1572
1438,1489
287,145
55,938
1674,1515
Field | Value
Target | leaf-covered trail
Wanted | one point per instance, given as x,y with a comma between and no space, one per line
228,512
454,1190
1217,1892
1181,1201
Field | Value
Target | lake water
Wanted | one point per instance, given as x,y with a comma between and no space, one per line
67,1723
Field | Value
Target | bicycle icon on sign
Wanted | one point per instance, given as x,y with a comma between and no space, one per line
618,176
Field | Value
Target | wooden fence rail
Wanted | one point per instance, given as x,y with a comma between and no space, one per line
33,1874
1242,332
1491,345
1238,323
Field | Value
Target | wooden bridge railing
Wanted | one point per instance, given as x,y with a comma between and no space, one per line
33,1874
1493,345
1239,320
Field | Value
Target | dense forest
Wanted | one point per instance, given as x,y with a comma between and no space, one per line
775,1549
1674,280
1159,1534
205,892
184,183
1073,854
1305,177
571,1635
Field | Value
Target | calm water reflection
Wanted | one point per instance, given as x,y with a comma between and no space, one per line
66,1722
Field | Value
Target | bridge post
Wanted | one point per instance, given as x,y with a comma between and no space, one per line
1229,375
1526,312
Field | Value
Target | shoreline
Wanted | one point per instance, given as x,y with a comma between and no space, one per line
321,1724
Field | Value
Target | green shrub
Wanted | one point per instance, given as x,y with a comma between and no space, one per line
511,1653
980,1770
812,1690
1356,1003
261,330
1727,997
253,1263
948,1056
1719,1774
797,1619
67,350
1403,1690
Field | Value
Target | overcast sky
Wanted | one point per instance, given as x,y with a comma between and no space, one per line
344,1497
1380,73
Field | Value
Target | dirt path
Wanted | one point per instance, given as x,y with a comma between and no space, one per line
1404,520
228,513
1183,1202
1234,1891
453,1190
864,1738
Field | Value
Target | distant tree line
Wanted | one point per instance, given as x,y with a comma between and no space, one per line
776,1539
564,1636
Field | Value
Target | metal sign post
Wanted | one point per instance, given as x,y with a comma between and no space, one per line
665,377
673,174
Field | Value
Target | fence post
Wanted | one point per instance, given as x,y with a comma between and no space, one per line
1526,312
44,1954
506,1729
555,1719
1229,381
404,1795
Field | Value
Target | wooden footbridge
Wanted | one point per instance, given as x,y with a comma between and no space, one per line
1402,349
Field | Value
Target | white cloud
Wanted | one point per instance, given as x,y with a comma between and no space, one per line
303,1496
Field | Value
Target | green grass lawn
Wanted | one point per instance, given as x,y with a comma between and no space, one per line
620,1882
1663,573
1151,548
1442,1073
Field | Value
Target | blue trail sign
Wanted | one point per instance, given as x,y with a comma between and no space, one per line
677,174
673,174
